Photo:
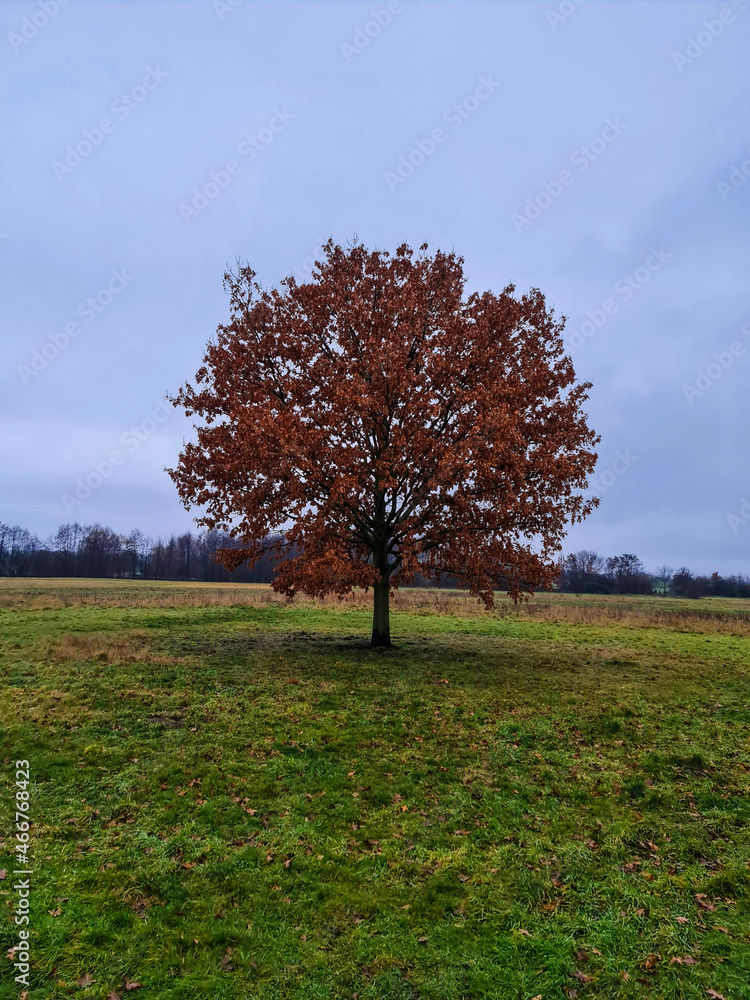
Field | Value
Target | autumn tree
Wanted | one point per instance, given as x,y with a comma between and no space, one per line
379,422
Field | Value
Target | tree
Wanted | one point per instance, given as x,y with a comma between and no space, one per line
683,583
628,575
663,579
582,570
385,424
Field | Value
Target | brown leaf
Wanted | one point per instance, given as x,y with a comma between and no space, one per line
523,931
683,960
704,904
86,980
682,920
3,873
624,975
55,913
581,956
582,977
226,961
131,985
715,996
650,961
422,940
720,927
113,996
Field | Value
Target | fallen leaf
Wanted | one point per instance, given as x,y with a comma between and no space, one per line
85,980
226,961
624,975
684,960
3,873
422,940
720,927
581,956
682,920
11,953
650,961
55,913
715,995
582,977
700,899
113,996
131,986
526,933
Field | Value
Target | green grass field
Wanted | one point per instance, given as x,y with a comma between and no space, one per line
233,797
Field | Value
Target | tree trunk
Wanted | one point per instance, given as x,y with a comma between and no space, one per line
381,626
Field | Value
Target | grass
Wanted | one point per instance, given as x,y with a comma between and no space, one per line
233,797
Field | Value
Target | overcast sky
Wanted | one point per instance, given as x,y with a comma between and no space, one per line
599,151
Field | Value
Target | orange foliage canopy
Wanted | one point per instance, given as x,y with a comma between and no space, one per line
385,423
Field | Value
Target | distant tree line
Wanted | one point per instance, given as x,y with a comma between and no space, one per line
76,550
95,551
587,572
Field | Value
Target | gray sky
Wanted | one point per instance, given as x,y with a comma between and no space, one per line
599,151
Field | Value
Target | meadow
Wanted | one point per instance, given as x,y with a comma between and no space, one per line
232,796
